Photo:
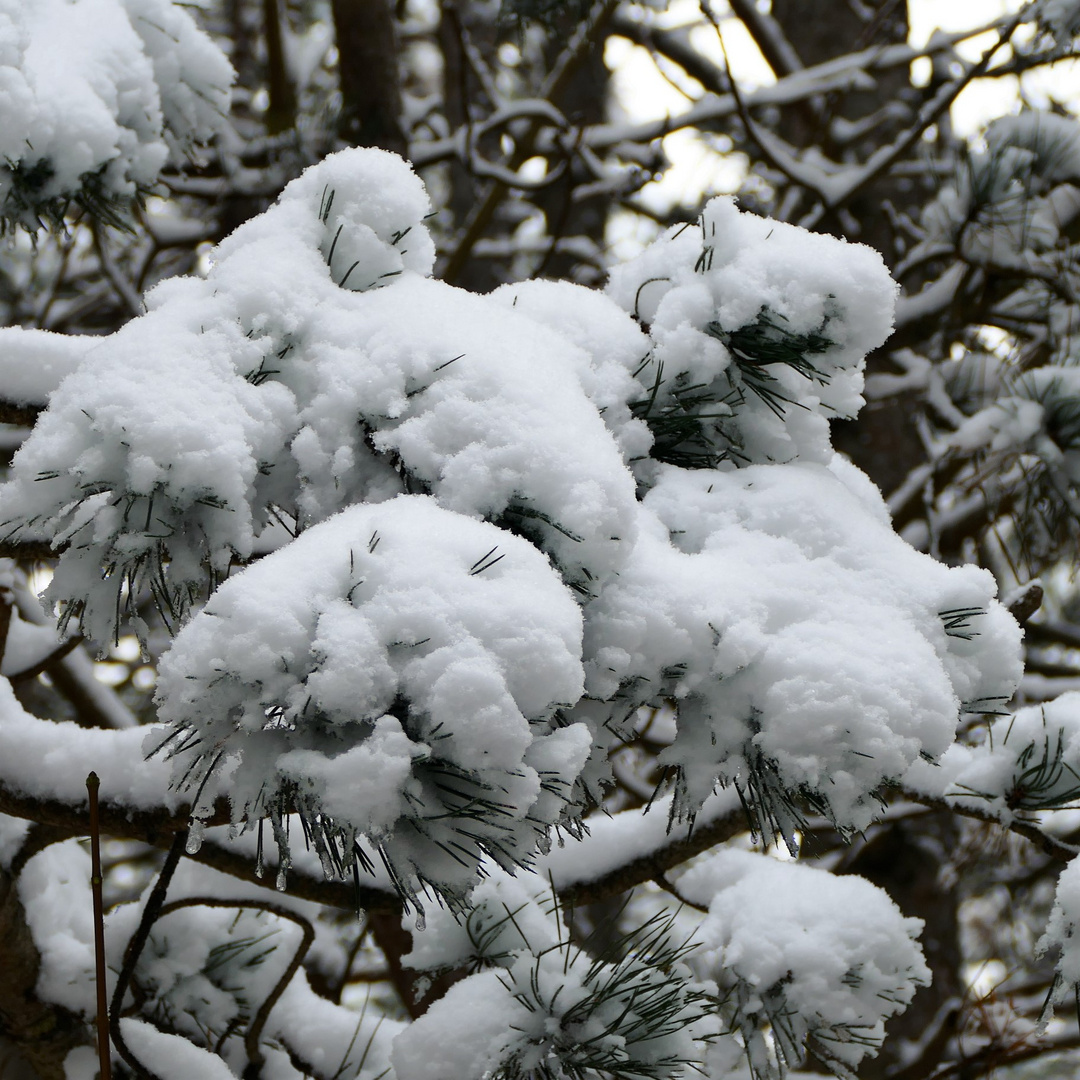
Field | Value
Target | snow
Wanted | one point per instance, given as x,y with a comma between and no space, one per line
1051,141
171,1057
383,648
268,390
97,95
27,645
788,620
615,840
702,290
809,954
439,1045
1061,936
54,888
49,760
201,967
333,1038
427,554
34,362
13,832
813,955
543,1003
1027,761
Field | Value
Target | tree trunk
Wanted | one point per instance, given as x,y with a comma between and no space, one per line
369,74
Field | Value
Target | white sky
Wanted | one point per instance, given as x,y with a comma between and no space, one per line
696,169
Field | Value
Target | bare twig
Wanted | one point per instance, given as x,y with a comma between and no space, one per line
769,37
134,951
124,289
567,63
1049,845
256,1058
102,1020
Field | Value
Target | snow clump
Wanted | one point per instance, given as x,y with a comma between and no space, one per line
544,1006
807,647
267,394
97,96
819,961
760,331
393,673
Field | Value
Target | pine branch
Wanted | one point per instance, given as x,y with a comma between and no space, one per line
1049,845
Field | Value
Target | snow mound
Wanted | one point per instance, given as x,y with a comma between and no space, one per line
818,960
760,330
807,647
97,95
393,673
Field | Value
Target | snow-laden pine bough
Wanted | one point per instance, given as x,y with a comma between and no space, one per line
430,558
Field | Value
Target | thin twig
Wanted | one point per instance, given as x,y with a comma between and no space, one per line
566,64
134,950
1049,845
124,289
102,1019
256,1058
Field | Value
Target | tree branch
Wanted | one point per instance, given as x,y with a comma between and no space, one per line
1049,845
553,86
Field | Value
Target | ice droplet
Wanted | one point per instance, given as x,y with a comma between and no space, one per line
195,837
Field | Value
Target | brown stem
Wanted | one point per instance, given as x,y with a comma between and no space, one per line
134,950
255,1055
104,1059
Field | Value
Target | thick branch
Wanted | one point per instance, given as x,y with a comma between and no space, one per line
769,37
675,46
14,412
27,550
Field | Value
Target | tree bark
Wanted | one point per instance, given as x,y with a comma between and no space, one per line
44,1034
369,75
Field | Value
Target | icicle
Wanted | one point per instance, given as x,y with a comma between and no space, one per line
196,831
260,863
283,872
